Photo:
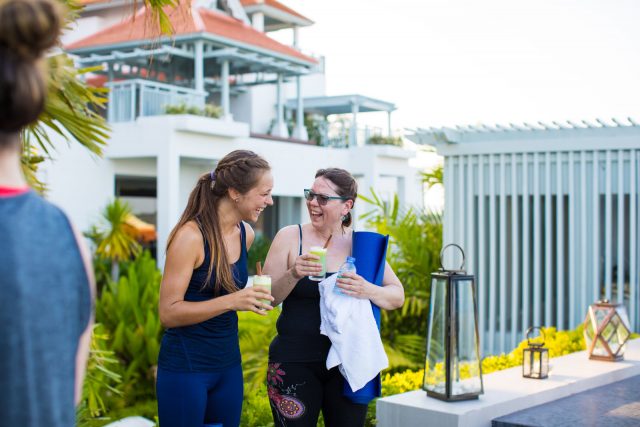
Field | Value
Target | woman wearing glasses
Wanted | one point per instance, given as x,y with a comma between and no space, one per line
299,385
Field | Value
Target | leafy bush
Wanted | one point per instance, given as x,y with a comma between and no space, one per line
128,311
209,110
258,252
385,140
559,343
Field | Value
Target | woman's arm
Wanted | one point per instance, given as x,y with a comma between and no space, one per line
284,273
182,258
389,296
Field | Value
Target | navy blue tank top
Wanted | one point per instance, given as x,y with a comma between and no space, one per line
212,345
299,338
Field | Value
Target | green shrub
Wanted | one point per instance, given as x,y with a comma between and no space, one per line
128,309
385,140
258,252
209,110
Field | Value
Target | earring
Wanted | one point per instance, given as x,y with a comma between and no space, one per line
237,199
343,217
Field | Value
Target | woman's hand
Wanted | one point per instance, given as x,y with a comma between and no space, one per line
306,265
354,285
249,299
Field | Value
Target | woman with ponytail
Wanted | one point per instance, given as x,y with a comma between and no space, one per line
45,272
199,371
298,354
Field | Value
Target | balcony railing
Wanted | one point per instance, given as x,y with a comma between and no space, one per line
135,98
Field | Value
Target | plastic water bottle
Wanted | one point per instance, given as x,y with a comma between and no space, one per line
348,266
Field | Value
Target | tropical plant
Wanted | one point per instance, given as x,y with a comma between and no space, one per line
415,240
116,240
128,309
255,334
434,176
101,379
258,252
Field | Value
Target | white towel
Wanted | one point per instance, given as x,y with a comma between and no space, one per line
356,346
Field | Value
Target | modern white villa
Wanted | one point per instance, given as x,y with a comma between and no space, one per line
220,54
549,218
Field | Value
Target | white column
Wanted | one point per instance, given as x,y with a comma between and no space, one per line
198,65
280,127
353,138
389,123
110,106
300,130
168,198
257,21
224,97
296,37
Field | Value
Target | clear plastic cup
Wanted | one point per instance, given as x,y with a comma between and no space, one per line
322,254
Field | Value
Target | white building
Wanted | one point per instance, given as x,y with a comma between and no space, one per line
548,216
219,54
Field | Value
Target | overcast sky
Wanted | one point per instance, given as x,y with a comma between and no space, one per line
447,62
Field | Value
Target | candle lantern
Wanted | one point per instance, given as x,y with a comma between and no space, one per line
453,368
606,331
535,358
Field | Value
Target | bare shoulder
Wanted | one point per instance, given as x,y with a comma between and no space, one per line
287,234
187,236
251,235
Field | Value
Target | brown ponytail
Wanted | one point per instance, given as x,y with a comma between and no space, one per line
240,170
27,29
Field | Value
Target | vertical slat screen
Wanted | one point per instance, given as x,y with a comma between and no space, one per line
546,234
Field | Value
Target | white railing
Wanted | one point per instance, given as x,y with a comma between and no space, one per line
547,234
135,98
336,134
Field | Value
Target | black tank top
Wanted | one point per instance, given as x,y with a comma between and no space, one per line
298,326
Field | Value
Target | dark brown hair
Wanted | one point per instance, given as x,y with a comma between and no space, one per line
346,187
27,29
240,170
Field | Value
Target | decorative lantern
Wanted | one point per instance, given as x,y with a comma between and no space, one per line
535,358
606,330
453,368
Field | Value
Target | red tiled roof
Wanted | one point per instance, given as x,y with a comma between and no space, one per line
186,20
275,4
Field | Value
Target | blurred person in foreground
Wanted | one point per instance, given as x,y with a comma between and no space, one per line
46,278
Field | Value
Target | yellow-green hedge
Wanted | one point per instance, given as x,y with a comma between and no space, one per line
558,342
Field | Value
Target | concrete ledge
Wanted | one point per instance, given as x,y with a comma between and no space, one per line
506,392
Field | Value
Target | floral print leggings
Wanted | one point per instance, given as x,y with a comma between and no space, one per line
299,391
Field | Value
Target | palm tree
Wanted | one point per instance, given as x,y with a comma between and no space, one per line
118,241
71,108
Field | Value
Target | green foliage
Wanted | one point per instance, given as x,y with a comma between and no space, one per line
434,176
128,309
258,252
414,250
385,140
255,333
256,410
209,110
101,379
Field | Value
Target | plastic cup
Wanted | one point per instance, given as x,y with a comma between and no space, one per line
322,254
263,282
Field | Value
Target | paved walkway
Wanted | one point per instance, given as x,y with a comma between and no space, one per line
613,405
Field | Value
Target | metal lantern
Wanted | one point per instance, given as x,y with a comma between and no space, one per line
453,368
606,330
535,358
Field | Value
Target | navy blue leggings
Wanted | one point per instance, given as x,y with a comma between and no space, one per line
193,399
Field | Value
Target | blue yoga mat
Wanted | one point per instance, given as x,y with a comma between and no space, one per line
370,252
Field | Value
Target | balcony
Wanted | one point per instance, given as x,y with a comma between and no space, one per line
135,98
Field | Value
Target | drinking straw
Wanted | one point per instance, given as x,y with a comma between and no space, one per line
327,242
258,268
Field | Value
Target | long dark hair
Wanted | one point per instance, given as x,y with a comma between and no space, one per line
27,29
346,187
240,170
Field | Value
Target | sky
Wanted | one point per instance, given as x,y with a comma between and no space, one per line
458,62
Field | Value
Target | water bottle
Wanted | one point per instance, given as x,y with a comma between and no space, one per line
348,266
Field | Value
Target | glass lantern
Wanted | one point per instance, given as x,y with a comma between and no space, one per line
535,358
453,368
606,331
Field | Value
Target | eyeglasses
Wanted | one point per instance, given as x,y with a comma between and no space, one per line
321,198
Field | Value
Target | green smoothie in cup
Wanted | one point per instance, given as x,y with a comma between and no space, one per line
264,282
320,252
